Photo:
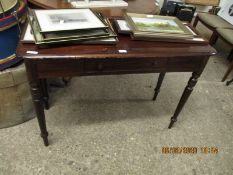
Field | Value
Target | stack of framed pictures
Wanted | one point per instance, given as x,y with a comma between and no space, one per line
69,26
157,28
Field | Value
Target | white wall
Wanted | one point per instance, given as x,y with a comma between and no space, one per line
160,3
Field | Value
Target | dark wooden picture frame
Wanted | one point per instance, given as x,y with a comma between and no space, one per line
119,28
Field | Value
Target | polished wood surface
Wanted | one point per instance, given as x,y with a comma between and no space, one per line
164,56
138,48
50,4
136,6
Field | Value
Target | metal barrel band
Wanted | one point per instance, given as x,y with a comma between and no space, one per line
10,63
7,59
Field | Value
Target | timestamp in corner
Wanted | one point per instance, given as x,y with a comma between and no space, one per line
190,150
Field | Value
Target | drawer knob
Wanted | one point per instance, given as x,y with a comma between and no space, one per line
155,63
100,66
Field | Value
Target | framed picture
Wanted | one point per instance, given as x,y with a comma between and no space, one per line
67,36
27,36
154,25
122,26
67,19
226,12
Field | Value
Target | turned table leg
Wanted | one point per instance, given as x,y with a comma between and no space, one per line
187,92
44,87
38,104
37,97
159,83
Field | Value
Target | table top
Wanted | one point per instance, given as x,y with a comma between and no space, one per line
131,49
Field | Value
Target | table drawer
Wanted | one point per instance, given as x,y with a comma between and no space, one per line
124,65
183,64
55,67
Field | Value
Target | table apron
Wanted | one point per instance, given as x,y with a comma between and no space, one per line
49,68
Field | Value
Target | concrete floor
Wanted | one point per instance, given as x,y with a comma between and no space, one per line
108,125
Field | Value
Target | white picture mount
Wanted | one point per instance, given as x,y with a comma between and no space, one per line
97,3
226,11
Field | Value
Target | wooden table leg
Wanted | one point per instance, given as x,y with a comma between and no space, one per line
159,83
44,87
36,92
187,92
230,67
66,80
195,21
213,38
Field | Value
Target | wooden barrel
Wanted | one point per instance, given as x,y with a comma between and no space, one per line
9,33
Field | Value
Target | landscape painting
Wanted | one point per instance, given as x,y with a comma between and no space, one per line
156,25
67,18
